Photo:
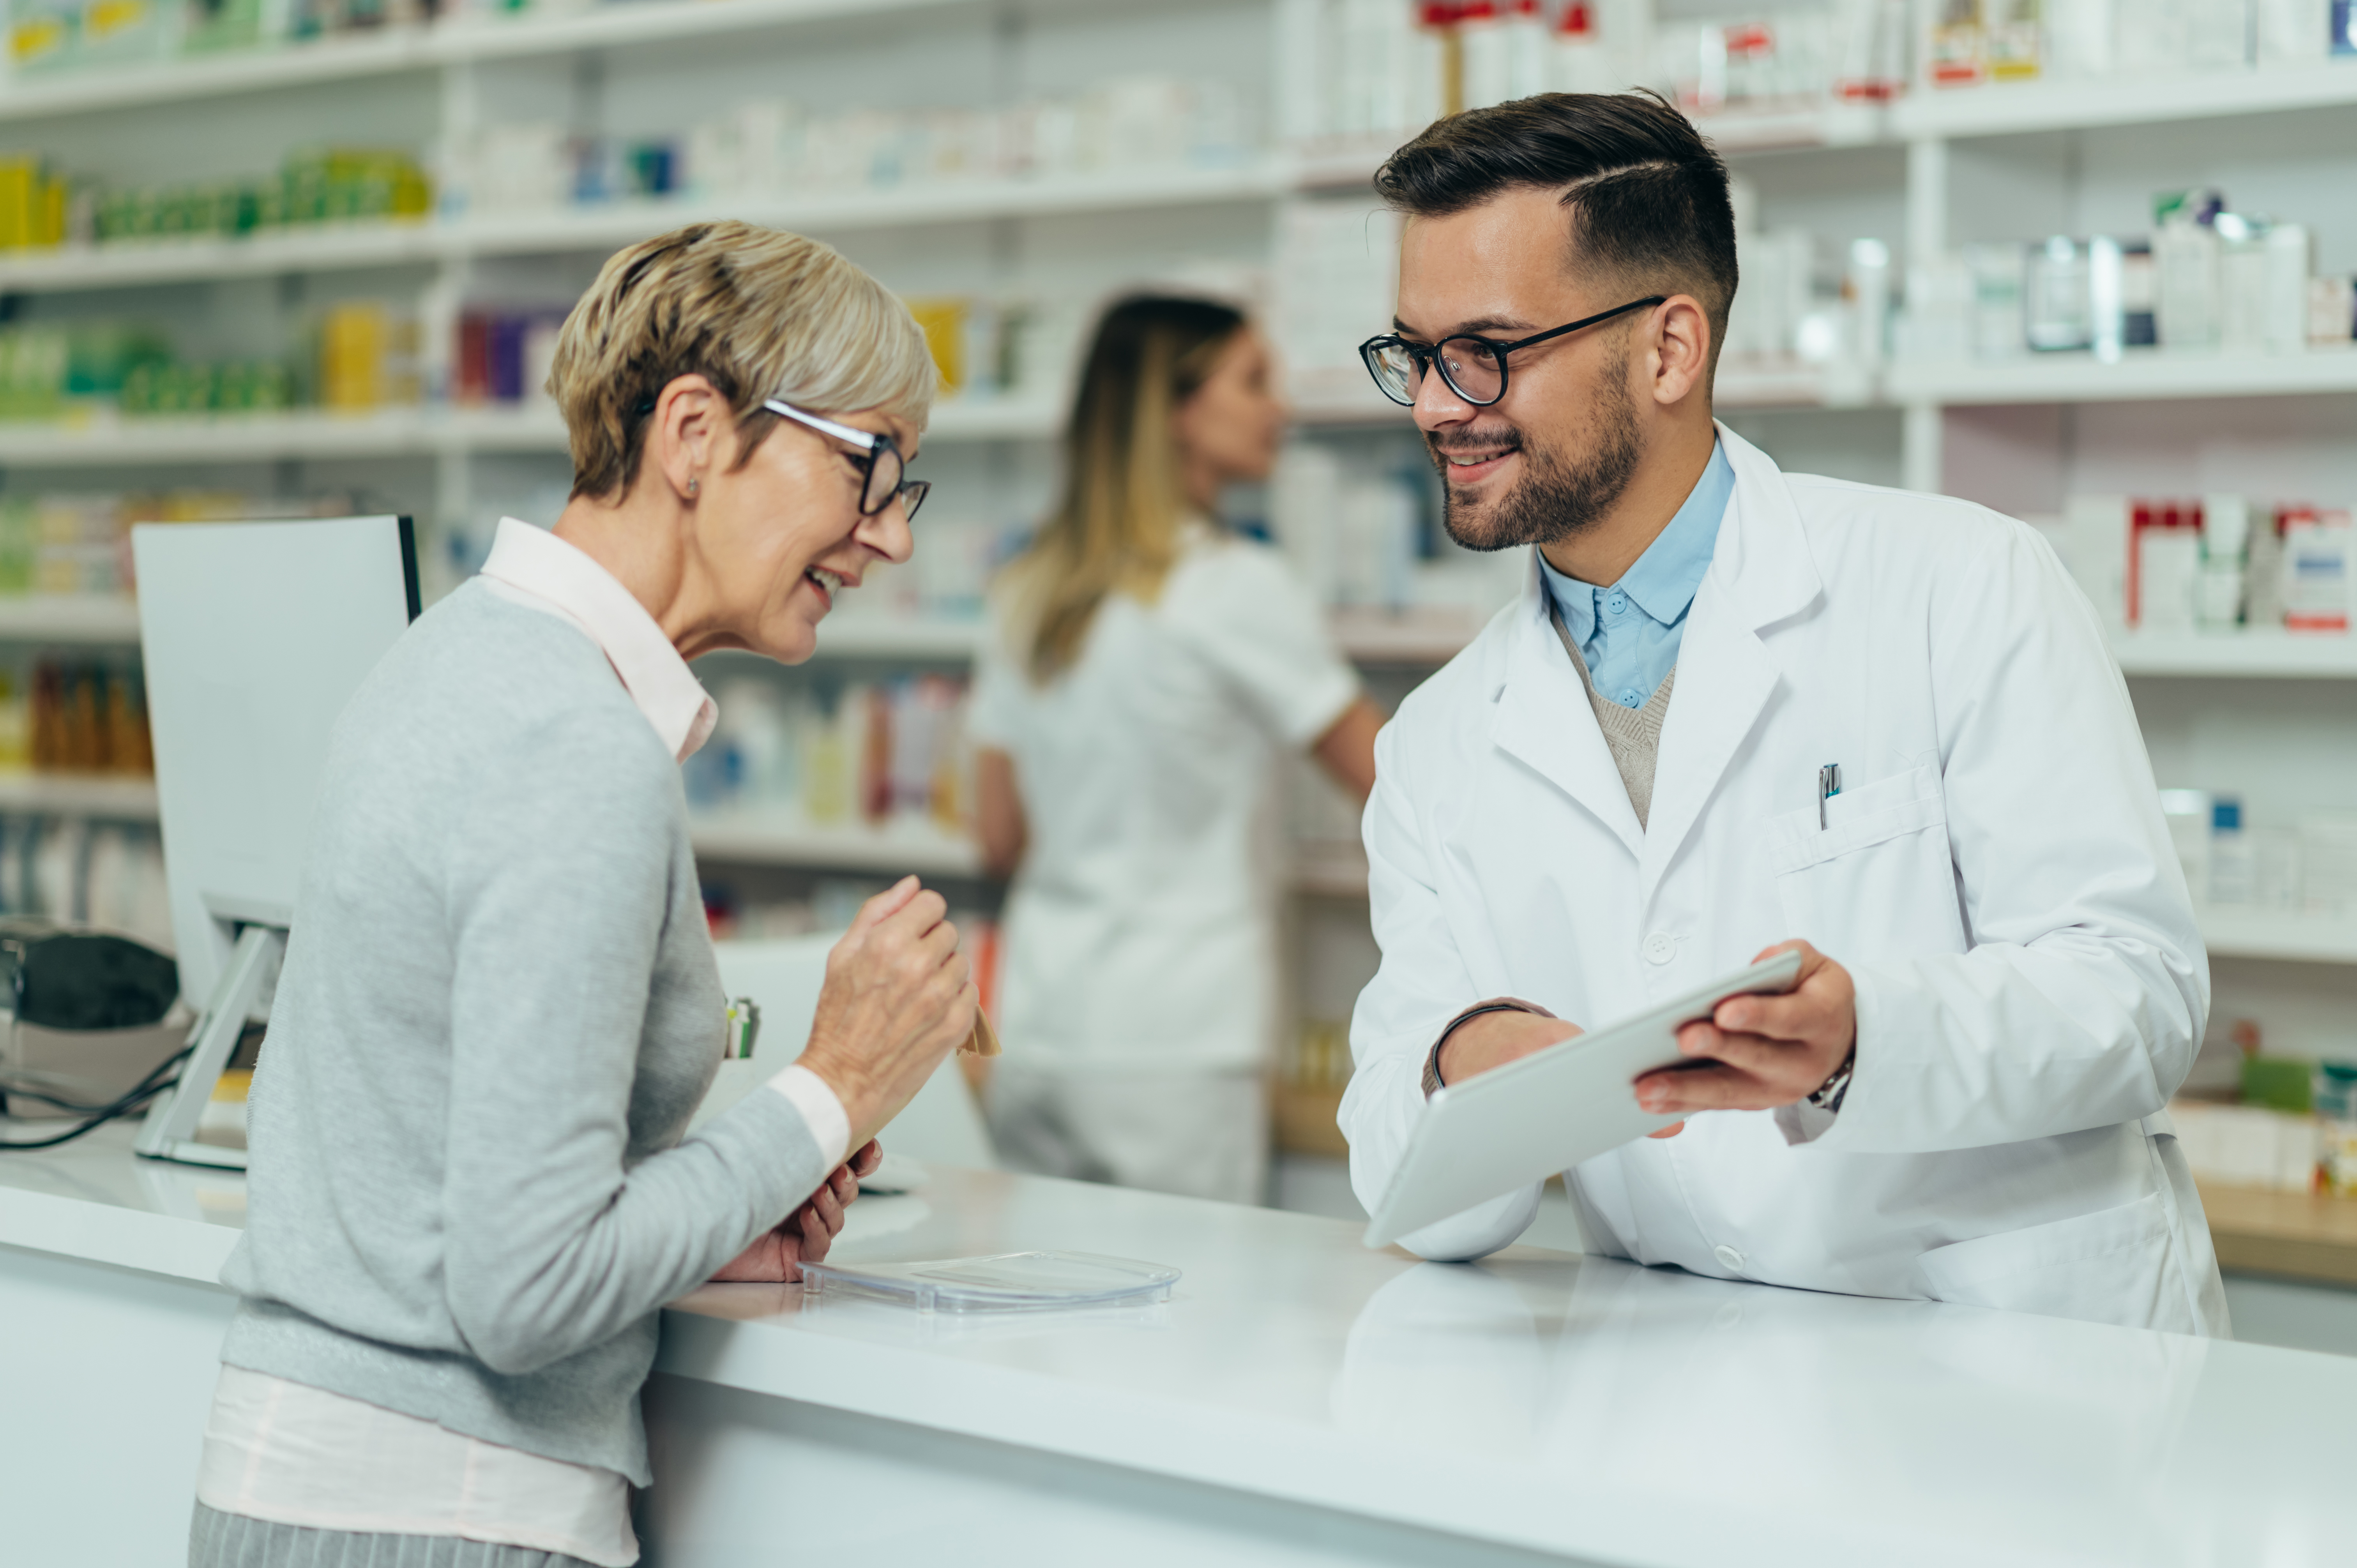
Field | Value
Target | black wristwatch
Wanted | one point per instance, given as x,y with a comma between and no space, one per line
1829,1094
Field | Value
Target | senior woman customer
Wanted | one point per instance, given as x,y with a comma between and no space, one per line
470,1190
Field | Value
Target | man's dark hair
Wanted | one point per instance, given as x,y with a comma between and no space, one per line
1647,195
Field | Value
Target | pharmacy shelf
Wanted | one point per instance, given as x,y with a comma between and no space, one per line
2014,109
1330,868
1739,388
2141,376
1350,164
92,619
316,248
1423,636
2229,655
1020,418
254,437
1794,128
397,49
609,224
2302,1235
215,76
606,226
879,637
111,797
2240,933
747,838
1336,398
1996,110
1420,636
393,433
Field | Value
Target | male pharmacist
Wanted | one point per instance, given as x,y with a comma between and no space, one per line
1628,785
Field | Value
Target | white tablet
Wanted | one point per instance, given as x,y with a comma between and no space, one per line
1525,1121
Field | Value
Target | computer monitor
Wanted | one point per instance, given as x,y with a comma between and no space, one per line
254,636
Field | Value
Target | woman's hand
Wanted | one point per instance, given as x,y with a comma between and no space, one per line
898,999
777,1256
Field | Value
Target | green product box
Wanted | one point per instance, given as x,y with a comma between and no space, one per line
100,355
19,538
2279,1083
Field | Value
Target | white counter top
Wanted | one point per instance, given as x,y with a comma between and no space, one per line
1576,1406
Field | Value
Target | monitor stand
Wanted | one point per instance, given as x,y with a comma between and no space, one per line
170,1130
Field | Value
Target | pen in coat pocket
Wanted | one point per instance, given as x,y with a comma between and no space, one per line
1828,786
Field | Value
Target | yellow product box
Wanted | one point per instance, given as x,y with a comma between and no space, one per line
368,357
943,322
32,204
42,33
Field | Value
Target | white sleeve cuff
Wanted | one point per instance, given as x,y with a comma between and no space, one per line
808,1093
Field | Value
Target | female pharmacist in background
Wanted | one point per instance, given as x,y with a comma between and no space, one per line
1144,668
470,1192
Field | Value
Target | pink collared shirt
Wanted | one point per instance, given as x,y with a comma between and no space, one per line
282,1451
531,566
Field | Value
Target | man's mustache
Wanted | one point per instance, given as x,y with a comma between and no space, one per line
1496,445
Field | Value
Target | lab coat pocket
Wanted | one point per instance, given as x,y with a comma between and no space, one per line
1877,879
2116,1265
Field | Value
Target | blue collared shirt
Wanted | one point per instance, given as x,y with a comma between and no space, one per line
1629,633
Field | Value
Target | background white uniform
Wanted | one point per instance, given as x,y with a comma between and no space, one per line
1138,997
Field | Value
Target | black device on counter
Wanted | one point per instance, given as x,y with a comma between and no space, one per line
85,1033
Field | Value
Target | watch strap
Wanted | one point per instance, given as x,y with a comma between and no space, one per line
1829,1095
1432,1080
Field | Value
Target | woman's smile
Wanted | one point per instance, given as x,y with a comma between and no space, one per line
828,585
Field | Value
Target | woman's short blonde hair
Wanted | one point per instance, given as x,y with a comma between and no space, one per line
757,311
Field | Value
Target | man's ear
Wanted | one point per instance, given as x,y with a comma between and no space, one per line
1677,347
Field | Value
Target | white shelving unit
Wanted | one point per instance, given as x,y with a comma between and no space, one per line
2138,376
1938,143
108,797
2244,656
891,637
1434,635
408,48
305,433
608,226
752,838
95,619
2025,108
2236,932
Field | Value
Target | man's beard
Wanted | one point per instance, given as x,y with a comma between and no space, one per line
1555,498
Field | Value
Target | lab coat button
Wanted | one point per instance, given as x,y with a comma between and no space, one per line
1660,947
1728,1258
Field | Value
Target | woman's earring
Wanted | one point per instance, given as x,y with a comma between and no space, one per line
694,485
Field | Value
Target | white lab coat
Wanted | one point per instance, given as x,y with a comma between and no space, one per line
1995,875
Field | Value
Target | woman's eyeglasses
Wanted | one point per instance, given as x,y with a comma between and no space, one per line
1474,368
885,475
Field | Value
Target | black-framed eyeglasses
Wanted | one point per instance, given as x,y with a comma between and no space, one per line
885,476
1474,368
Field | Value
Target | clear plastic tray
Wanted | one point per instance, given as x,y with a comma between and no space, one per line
1009,1282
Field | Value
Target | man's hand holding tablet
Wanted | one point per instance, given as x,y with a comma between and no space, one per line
1763,1051
1767,1050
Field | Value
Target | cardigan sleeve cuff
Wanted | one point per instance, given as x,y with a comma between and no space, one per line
830,1126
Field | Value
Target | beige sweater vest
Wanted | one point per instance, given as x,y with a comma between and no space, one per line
1634,735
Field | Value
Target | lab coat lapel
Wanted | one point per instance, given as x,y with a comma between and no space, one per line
1543,720
1760,572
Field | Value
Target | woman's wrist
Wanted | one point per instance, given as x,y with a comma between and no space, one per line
861,1100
